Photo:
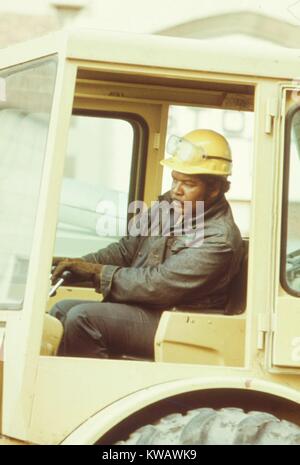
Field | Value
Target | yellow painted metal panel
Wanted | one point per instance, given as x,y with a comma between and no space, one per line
286,350
201,338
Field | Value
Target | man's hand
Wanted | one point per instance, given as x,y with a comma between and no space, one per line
57,260
80,269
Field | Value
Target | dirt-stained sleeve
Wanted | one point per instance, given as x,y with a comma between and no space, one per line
189,272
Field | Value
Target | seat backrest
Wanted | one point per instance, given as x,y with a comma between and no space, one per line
238,286
52,335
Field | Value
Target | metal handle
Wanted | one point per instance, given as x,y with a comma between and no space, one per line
66,274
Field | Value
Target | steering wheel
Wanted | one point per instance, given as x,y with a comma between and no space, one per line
293,265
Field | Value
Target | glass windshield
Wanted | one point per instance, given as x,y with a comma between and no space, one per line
26,94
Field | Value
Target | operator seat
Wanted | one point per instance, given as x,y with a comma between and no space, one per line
212,337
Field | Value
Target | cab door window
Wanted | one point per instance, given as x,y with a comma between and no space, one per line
96,185
290,251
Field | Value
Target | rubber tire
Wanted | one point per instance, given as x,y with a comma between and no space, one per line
227,426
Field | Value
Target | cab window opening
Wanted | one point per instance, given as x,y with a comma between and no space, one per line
98,183
290,242
238,128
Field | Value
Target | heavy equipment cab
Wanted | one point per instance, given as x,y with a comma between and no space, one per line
84,117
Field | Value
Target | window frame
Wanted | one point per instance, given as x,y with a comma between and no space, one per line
285,199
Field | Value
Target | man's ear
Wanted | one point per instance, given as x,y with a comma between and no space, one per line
214,191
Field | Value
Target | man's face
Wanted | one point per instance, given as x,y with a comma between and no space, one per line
187,187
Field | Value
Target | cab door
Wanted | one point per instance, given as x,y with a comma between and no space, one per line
112,158
286,319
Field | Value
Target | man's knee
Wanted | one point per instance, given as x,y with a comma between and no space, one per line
84,322
83,337
56,310
75,316
62,308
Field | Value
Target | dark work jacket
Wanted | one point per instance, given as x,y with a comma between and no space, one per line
162,272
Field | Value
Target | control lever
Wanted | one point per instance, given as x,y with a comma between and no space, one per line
64,277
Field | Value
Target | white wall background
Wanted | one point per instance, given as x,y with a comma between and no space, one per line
145,16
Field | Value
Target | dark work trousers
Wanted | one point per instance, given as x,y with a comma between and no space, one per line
105,329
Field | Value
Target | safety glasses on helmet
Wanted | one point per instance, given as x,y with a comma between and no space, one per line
185,150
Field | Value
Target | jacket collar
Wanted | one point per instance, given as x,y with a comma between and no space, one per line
215,209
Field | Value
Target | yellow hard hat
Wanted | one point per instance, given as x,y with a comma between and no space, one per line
202,151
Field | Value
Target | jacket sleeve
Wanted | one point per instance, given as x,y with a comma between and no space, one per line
189,271
118,253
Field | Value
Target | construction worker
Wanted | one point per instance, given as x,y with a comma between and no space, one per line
140,276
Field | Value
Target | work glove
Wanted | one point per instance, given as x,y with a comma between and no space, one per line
79,268
68,278
57,260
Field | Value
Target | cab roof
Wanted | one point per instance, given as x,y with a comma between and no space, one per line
158,51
